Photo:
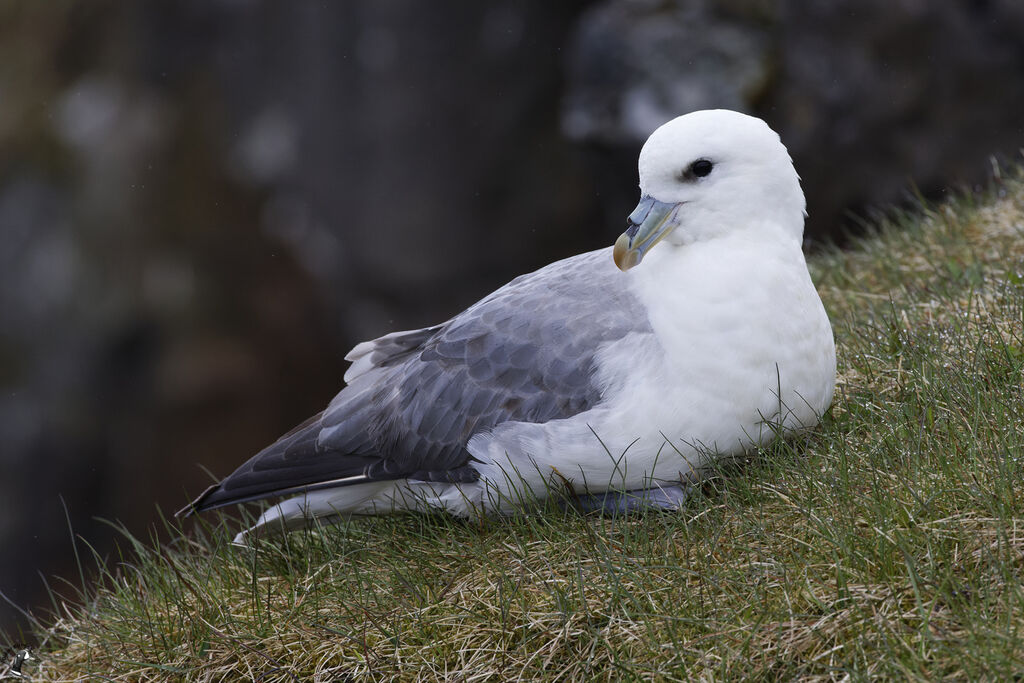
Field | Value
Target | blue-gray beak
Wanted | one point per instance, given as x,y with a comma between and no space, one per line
649,222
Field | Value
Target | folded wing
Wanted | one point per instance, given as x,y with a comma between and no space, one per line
525,353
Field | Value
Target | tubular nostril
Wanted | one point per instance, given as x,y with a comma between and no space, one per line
639,214
631,228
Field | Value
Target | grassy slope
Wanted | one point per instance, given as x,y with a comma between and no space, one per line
888,543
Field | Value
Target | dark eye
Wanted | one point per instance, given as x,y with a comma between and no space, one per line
701,168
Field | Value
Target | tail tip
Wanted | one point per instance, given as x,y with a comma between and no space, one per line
197,504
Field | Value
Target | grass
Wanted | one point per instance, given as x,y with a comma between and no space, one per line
887,544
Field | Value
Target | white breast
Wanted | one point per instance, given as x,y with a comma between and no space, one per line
741,343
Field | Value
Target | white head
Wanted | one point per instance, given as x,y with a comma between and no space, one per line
708,174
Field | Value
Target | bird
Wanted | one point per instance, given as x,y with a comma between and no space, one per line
611,379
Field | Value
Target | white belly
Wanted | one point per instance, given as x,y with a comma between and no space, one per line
749,349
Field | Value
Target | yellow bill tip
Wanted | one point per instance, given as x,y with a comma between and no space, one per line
624,256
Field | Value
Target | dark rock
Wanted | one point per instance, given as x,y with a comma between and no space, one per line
871,97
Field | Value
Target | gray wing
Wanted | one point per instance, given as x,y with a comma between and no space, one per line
525,353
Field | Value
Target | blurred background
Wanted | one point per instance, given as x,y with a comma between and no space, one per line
205,203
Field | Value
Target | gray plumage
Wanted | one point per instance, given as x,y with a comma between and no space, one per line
525,353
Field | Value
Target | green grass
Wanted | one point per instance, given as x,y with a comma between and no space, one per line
889,543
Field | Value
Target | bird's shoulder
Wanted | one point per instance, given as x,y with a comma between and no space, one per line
563,307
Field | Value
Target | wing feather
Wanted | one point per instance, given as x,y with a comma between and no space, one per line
526,353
